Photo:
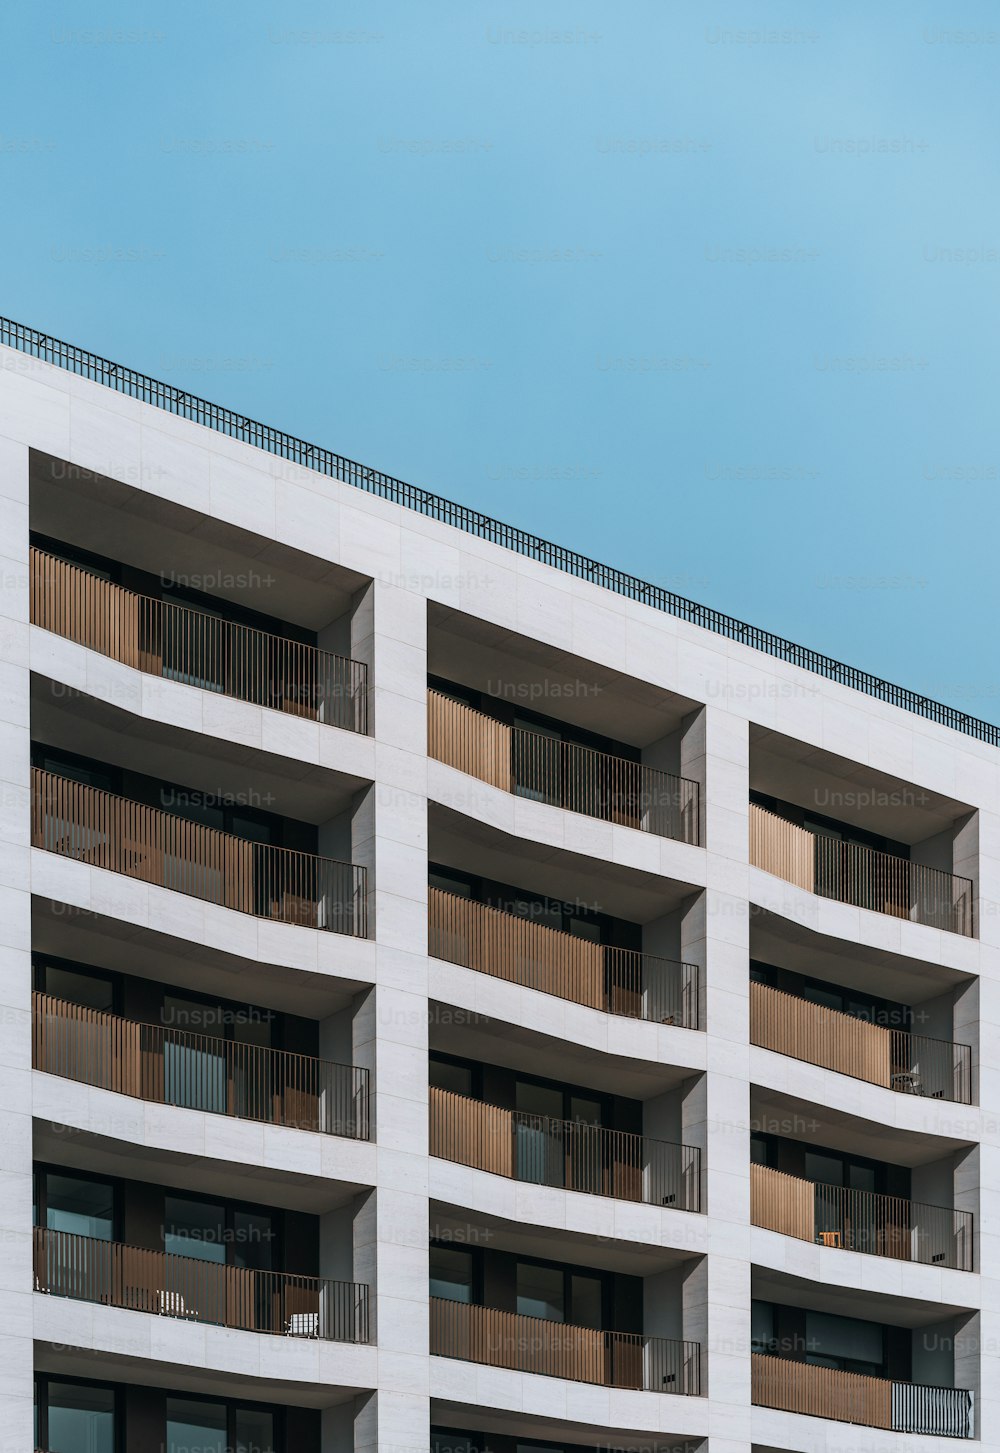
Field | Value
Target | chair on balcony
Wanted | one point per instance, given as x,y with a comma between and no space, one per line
829,1238
302,1324
172,1304
908,1082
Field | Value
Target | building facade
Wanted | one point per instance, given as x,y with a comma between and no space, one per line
453,1004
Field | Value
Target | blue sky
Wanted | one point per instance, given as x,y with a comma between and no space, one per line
708,291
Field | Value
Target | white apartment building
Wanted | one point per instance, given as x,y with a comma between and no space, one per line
457,997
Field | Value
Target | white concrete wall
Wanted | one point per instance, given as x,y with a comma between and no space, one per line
414,561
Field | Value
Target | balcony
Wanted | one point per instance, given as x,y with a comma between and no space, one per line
612,980
860,1220
137,1280
566,1154
96,827
563,774
910,1064
557,1349
852,1397
864,877
163,639
196,1071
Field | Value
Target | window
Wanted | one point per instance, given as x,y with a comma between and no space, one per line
74,1417
452,1274
198,1425
846,1343
446,1074
219,1232
93,989
76,1204
561,1294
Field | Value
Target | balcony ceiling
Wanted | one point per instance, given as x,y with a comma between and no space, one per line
872,1306
836,787
114,519
550,681
530,1428
553,1243
798,1118
793,945
76,722
472,846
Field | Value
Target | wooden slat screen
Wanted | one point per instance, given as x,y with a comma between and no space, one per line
507,946
186,1287
197,1071
106,831
184,644
562,1153
563,774
556,1349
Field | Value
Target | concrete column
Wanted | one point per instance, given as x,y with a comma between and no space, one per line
398,1025
16,1349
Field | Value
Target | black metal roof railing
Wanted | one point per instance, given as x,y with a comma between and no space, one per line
311,456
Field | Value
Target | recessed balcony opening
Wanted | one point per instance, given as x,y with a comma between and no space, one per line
480,1430
224,846
573,1137
849,1201
607,937
861,837
506,1296
124,1243
556,728
195,1051
875,1361
94,1416
876,1016
195,600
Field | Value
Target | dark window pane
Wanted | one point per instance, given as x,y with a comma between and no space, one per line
540,1292
451,1274
81,1419
194,1228
83,1207
195,1425
445,1076
254,1431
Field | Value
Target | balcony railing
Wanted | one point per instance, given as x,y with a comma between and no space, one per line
863,877
852,1397
186,1287
558,1349
911,1064
860,1220
157,847
562,774
196,1071
199,649
613,980
567,1154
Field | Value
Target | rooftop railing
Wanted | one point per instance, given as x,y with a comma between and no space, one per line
194,1290
106,831
910,1064
862,1221
864,877
197,1071
560,773
853,1397
188,645
613,980
184,405
566,1154
559,1349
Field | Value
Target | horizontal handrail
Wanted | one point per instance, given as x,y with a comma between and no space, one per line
191,1289
854,1397
188,645
910,1064
563,774
862,876
566,1154
177,401
865,1221
197,1071
613,980
560,1349
97,827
